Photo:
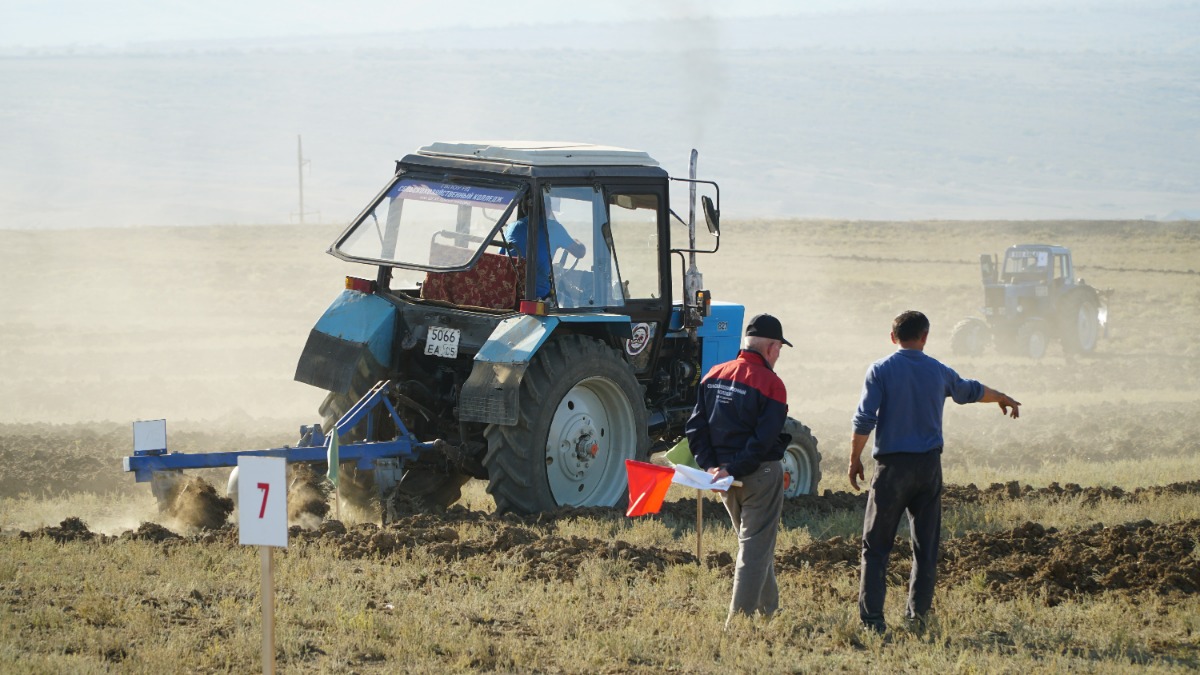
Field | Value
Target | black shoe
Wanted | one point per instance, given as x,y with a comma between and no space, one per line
876,628
916,624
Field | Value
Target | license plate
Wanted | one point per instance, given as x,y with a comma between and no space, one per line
441,341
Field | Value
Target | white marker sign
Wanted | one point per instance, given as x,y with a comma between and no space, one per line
149,436
262,501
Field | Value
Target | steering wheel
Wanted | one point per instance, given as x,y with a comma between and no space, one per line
562,260
567,288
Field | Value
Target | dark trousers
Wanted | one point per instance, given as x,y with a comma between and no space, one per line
903,483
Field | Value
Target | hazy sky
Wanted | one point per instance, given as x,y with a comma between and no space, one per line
119,23
185,112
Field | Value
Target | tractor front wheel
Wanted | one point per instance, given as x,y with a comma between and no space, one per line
969,337
582,414
801,461
1032,338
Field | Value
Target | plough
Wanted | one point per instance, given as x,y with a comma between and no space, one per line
386,458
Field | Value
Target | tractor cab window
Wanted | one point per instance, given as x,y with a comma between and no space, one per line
427,224
633,222
1062,271
1026,265
584,266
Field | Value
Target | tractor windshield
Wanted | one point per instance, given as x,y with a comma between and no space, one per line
427,224
1026,264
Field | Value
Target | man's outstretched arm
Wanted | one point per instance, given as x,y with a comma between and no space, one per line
992,396
857,443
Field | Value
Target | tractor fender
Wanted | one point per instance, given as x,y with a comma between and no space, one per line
1086,291
358,328
491,393
1096,295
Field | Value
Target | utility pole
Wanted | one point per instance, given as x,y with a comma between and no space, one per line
300,163
300,167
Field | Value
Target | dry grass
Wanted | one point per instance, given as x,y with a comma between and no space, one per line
141,607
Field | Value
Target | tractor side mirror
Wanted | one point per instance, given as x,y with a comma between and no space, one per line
711,216
987,268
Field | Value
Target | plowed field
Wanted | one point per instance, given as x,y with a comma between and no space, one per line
1071,535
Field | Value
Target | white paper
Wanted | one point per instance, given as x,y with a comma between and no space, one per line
150,436
701,480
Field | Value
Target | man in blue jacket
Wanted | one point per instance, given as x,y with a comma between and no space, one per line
902,401
736,430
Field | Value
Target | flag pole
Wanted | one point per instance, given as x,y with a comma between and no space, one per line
699,526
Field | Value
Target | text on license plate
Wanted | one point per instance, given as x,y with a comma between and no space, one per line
442,341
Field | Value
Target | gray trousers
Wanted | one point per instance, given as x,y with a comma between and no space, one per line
755,509
903,483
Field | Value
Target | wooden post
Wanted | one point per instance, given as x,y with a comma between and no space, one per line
699,526
268,603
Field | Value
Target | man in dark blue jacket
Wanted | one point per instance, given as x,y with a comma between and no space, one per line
736,430
902,401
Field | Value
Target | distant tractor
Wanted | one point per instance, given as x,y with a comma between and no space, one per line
1033,299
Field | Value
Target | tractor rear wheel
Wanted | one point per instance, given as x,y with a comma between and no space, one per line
969,337
801,461
1032,338
1079,324
582,414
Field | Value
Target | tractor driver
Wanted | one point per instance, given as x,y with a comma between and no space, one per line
516,232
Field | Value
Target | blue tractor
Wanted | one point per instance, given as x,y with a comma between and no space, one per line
1030,300
534,318
521,306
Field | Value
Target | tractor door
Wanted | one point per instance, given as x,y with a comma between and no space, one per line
637,218
619,266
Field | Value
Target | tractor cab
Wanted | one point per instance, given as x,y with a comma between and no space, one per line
1037,264
1026,279
537,228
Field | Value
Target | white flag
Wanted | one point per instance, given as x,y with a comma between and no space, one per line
701,480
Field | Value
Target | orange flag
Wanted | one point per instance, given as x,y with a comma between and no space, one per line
648,485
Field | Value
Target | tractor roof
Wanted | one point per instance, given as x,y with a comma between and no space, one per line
540,153
1040,247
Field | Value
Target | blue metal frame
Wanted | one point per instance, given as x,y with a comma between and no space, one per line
312,446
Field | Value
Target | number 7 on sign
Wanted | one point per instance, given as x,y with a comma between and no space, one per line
266,490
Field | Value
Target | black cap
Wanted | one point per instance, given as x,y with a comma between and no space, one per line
767,326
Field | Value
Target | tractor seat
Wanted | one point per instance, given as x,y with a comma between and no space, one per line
495,282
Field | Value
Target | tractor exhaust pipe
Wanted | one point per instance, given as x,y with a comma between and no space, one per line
693,280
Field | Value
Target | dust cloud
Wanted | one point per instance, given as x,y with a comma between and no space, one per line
192,503
203,326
